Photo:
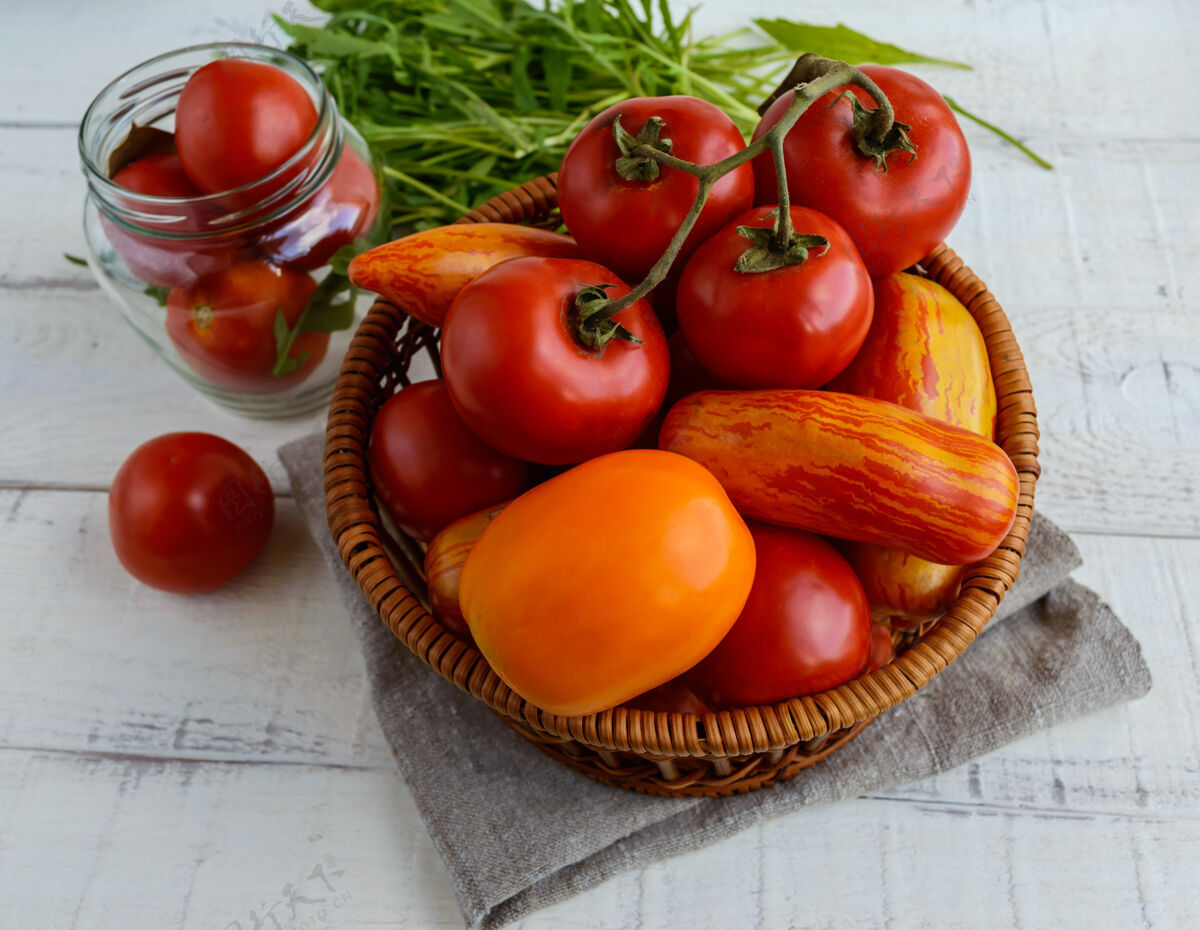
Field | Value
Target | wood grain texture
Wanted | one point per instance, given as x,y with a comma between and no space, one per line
265,668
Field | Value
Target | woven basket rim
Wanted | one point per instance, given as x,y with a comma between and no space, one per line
356,527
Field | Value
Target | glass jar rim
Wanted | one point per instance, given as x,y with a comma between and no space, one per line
293,189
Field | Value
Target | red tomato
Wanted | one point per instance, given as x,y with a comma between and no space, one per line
239,120
224,326
188,512
156,260
894,217
429,469
797,326
158,175
342,210
624,224
523,382
806,626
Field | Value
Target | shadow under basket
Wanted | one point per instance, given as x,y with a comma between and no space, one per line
659,753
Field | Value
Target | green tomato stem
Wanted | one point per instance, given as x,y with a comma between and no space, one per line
817,76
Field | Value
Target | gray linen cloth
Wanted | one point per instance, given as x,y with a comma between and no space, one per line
518,831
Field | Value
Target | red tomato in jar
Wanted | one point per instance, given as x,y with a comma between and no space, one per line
158,260
189,512
429,469
522,380
792,327
897,216
806,626
224,326
158,175
342,210
238,120
626,225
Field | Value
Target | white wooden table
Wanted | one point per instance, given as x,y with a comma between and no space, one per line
177,762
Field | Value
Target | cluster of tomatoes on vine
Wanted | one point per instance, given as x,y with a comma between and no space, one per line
553,355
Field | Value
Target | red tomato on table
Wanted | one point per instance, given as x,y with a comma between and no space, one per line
806,626
792,327
626,225
188,512
158,175
429,469
522,380
224,326
897,216
238,120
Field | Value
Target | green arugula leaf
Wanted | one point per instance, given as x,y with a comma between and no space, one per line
523,98
329,309
158,293
844,43
1034,156
438,87
323,43
284,338
75,259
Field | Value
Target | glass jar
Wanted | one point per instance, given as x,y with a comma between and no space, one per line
243,292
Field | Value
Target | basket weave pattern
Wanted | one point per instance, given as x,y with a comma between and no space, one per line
672,754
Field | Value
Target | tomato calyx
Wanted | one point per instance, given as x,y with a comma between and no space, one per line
867,138
202,316
777,246
591,319
811,78
640,167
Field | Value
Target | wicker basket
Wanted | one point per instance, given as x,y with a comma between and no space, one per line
659,753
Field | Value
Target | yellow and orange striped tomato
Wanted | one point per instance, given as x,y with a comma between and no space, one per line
607,580
903,588
852,467
423,273
444,560
924,351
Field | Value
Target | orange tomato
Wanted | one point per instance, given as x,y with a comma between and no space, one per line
607,580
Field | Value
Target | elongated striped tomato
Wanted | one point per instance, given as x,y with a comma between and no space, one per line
924,351
444,560
851,467
607,580
423,273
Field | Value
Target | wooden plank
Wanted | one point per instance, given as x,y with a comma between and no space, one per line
96,42
202,844
267,667
144,843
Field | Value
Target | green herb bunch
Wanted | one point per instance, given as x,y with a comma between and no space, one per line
463,99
